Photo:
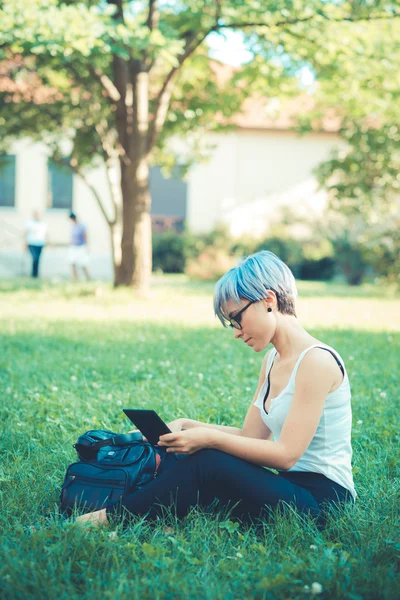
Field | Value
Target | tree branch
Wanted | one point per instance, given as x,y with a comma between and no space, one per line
152,19
237,25
114,197
112,92
106,83
164,95
115,99
94,192
120,9
75,169
366,18
108,149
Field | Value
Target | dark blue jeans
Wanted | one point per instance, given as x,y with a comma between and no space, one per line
249,490
35,251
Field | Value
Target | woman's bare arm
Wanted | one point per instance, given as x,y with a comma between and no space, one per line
190,423
315,377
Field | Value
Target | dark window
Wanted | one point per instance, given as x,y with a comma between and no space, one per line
60,178
7,181
168,195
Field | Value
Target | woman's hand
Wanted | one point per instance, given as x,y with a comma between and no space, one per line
188,441
176,425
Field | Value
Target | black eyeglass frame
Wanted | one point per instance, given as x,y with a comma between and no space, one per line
235,322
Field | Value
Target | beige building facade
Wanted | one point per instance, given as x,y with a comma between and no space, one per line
250,173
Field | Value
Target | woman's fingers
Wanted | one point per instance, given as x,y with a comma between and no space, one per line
178,445
169,437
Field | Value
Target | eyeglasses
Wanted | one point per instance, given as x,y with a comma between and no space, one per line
236,321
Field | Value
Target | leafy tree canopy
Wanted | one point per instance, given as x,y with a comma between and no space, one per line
120,79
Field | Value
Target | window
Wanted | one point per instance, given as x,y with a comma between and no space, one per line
7,181
60,180
168,195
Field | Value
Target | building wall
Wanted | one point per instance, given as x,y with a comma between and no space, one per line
251,173
31,194
247,176
212,184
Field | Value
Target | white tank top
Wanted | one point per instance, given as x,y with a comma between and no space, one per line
330,449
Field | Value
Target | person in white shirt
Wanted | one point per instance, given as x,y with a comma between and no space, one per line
35,238
298,422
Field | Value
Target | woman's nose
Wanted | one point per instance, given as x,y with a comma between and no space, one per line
237,332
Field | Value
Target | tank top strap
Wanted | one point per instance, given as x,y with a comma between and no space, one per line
270,360
293,375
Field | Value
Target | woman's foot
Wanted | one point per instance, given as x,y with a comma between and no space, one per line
99,517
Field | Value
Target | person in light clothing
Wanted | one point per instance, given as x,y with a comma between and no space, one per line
35,239
298,422
78,255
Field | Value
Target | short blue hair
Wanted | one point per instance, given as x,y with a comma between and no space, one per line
251,279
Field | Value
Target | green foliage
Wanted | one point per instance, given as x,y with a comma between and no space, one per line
384,255
351,258
335,247
364,186
361,248
364,178
108,82
71,362
173,251
207,257
210,264
69,48
295,253
170,251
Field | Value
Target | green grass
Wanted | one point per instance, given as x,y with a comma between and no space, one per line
73,355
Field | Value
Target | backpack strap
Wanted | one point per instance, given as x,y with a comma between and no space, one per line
122,439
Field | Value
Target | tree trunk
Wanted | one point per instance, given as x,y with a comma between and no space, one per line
124,274
115,240
136,253
142,242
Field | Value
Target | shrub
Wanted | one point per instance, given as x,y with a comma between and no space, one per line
384,253
170,251
317,270
210,265
351,260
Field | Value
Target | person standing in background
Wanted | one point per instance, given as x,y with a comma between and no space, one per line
35,238
78,255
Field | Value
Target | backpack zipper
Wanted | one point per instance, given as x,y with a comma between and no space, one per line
92,480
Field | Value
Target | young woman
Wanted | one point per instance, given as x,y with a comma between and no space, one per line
298,423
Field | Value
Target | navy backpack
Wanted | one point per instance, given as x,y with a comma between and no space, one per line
110,467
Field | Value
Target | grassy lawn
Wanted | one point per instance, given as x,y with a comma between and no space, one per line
72,356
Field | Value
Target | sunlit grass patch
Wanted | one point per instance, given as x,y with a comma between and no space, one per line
73,356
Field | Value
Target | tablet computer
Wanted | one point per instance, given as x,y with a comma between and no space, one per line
149,423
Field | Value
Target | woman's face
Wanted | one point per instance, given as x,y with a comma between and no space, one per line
258,325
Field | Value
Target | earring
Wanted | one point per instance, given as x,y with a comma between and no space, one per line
269,309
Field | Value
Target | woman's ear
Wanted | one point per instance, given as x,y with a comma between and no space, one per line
271,301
